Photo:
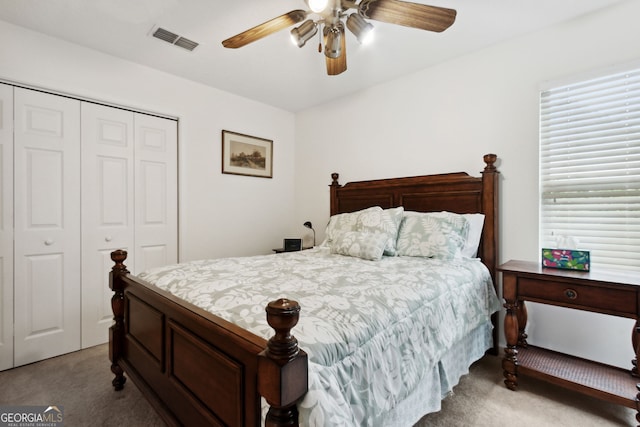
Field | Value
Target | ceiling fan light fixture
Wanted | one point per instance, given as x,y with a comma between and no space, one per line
333,44
360,28
301,34
332,16
317,6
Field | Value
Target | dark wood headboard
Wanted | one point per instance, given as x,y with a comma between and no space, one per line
454,192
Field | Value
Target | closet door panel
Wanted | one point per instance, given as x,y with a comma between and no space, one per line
156,209
107,210
6,226
47,225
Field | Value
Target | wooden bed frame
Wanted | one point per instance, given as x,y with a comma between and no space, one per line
197,369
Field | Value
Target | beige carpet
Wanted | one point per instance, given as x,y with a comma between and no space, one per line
481,399
81,383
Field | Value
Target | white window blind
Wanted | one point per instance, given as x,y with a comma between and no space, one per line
590,168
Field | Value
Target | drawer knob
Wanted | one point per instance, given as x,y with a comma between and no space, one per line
570,293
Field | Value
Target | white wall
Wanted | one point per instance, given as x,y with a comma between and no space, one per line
445,118
220,215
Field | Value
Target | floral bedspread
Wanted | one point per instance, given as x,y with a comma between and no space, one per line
372,329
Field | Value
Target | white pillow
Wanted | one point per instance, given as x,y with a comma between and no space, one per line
476,222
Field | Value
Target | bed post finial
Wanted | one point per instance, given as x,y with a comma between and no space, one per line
282,316
119,256
334,179
116,331
282,366
490,159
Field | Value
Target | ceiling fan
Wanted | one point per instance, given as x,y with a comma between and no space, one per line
329,17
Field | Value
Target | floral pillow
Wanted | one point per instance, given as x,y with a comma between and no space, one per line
385,222
360,244
432,234
341,223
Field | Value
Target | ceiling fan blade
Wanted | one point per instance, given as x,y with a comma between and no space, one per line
414,15
338,65
265,29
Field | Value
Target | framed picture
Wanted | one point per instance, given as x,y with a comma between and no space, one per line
246,155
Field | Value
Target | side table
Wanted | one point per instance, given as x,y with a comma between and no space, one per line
600,292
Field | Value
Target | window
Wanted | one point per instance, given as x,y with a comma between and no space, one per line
590,168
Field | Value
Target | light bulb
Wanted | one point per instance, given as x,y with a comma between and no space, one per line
317,6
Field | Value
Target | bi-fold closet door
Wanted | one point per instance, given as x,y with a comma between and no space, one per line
78,181
46,202
129,201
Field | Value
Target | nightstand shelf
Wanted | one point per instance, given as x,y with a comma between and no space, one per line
591,378
599,292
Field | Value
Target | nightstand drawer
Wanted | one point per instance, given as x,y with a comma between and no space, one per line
600,299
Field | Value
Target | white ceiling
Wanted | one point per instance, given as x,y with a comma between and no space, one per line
272,70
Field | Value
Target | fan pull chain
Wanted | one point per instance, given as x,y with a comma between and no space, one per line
320,40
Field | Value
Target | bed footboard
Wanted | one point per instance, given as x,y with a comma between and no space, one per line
198,369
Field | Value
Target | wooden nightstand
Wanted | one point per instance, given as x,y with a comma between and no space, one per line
600,292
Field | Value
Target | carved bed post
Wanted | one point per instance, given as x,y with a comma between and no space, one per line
117,331
490,208
333,209
282,366
490,256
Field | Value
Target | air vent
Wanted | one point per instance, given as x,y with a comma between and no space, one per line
186,43
174,39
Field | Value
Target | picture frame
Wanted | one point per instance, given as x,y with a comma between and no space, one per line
246,155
